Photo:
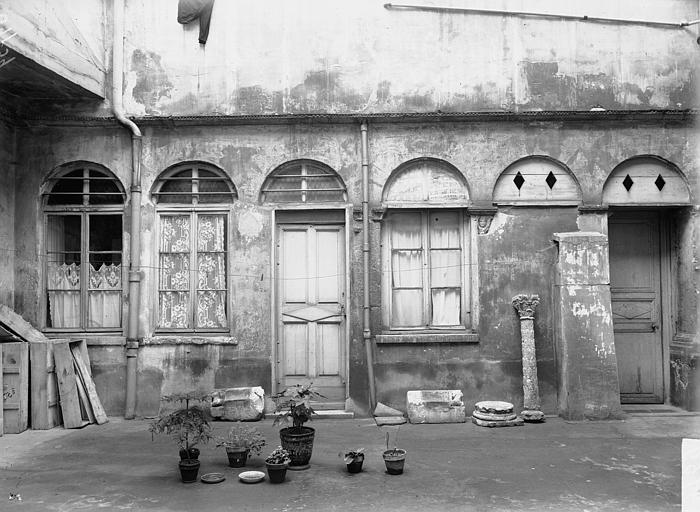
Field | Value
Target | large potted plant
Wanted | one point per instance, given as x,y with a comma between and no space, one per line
188,426
295,403
240,442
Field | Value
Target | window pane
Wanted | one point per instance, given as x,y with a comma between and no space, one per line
104,189
174,272
407,308
63,240
211,233
209,183
407,269
104,309
176,188
105,235
446,306
175,233
211,309
445,268
405,230
67,190
174,310
444,229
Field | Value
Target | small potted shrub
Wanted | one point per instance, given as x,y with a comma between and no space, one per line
295,403
277,463
394,459
354,460
188,426
240,442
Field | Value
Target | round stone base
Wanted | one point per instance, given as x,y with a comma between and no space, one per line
532,416
486,416
494,407
517,422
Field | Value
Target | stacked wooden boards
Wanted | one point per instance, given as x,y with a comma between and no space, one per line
80,404
27,358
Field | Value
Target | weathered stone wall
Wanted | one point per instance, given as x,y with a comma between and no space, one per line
305,56
7,214
516,256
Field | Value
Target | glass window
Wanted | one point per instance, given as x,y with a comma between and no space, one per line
83,244
426,269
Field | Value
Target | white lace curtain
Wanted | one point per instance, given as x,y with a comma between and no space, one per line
175,277
104,295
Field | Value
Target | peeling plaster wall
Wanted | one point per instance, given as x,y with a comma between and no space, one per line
516,256
7,214
306,56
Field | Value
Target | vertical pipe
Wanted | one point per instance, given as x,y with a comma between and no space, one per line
366,331
132,330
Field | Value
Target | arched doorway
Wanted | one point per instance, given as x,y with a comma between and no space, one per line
643,194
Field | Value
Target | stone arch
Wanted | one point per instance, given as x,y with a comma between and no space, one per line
193,182
537,180
425,181
646,180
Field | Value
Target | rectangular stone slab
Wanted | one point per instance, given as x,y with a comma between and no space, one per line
238,404
435,406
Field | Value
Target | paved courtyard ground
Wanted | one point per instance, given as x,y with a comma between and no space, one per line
629,465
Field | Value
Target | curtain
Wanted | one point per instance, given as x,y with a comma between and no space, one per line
104,296
407,270
445,268
64,294
174,272
211,271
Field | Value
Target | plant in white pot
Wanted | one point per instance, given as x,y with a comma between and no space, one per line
240,442
294,403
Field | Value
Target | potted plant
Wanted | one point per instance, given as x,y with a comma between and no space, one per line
188,426
240,442
354,460
277,463
295,403
394,459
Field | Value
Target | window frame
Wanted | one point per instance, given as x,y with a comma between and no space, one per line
194,208
466,310
84,211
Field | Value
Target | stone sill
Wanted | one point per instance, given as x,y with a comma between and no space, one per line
91,339
427,338
189,340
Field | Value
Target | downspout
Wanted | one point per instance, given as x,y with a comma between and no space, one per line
132,331
366,331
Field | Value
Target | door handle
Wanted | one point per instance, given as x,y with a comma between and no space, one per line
654,326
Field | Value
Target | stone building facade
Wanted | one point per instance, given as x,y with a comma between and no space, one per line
352,194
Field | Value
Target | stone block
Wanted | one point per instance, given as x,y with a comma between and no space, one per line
238,404
517,422
435,406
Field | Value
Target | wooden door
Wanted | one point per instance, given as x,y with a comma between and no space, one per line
311,307
635,264
15,387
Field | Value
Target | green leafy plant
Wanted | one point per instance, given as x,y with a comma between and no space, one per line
354,455
295,403
246,438
188,426
278,456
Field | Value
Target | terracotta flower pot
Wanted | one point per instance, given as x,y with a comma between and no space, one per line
276,472
299,443
237,457
394,460
188,470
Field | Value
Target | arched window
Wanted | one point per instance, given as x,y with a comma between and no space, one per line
303,181
83,207
426,240
194,204
536,180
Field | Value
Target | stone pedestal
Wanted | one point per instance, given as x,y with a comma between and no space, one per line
238,404
583,329
525,306
494,413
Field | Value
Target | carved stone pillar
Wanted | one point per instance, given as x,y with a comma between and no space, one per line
525,306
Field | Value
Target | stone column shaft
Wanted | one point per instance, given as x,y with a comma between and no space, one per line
525,306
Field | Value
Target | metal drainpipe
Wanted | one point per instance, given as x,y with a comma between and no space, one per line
132,333
366,331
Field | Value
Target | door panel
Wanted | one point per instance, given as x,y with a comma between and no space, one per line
311,323
636,298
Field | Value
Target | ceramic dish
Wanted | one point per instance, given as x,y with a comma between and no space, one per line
213,478
251,477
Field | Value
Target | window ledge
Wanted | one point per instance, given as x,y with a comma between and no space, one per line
189,340
92,339
427,337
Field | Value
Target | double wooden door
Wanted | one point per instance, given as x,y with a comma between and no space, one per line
311,307
635,280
